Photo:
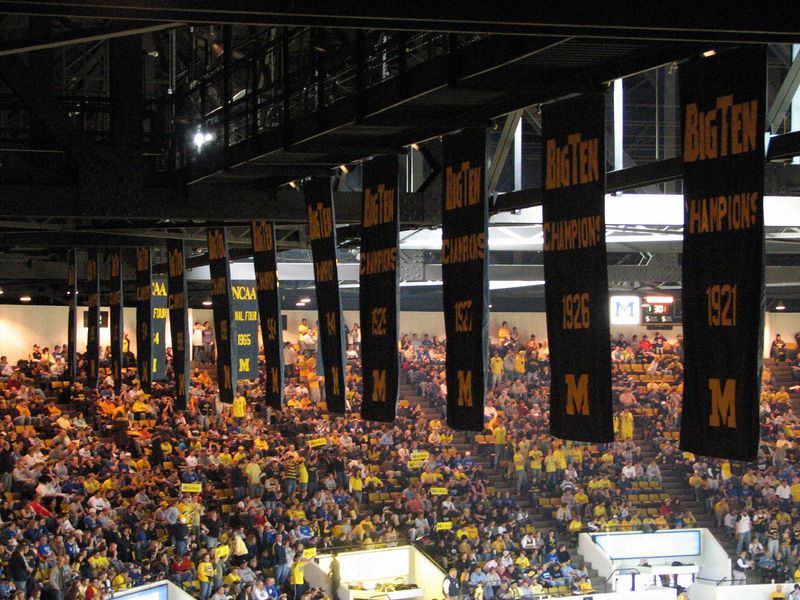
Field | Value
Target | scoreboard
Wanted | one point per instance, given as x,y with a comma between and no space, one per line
660,310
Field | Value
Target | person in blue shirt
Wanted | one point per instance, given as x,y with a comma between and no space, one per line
45,552
305,531
272,589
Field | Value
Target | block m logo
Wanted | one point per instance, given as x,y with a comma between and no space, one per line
723,403
578,395
379,385
465,388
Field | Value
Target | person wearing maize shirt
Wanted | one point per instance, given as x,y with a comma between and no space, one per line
205,574
238,409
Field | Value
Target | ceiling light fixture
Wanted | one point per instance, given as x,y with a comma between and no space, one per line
344,169
709,53
24,298
201,138
780,305
207,303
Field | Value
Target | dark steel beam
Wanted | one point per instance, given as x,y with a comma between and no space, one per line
474,59
784,146
681,21
92,34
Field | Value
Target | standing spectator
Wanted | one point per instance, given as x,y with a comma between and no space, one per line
197,345
208,343
289,359
743,531
451,587
740,568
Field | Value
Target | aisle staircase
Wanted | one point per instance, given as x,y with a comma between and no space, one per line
541,519
782,378
676,485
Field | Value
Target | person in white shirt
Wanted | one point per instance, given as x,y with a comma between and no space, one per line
743,528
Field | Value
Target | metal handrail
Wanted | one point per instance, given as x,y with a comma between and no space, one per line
631,570
715,581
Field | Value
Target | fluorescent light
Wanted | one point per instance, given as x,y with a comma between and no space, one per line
24,298
207,303
709,53
780,305
659,299
300,304
344,169
306,300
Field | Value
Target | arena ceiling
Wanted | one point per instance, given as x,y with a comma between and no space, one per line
126,123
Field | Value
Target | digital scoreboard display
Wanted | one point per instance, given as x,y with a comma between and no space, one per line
659,310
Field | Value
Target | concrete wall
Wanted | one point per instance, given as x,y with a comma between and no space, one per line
705,591
21,326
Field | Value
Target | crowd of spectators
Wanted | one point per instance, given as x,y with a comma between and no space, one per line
107,491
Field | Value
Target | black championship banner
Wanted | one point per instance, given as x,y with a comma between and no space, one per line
115,318
465,276
265,262
158,324
93,331
322,232
380,227
575,269
178,320
144,278
72,318
723,112
245,328
220,296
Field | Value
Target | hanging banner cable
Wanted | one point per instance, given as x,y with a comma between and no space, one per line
115,302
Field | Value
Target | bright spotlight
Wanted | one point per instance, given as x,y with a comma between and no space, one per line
202,138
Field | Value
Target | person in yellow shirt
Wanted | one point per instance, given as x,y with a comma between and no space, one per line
504,333
626,425
575,525
500,435
560,458
238,409
120,581
205,574
519,364
302,475
225,458
240,455
520,472
550,468
778,594
536,456
356,485
496,368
